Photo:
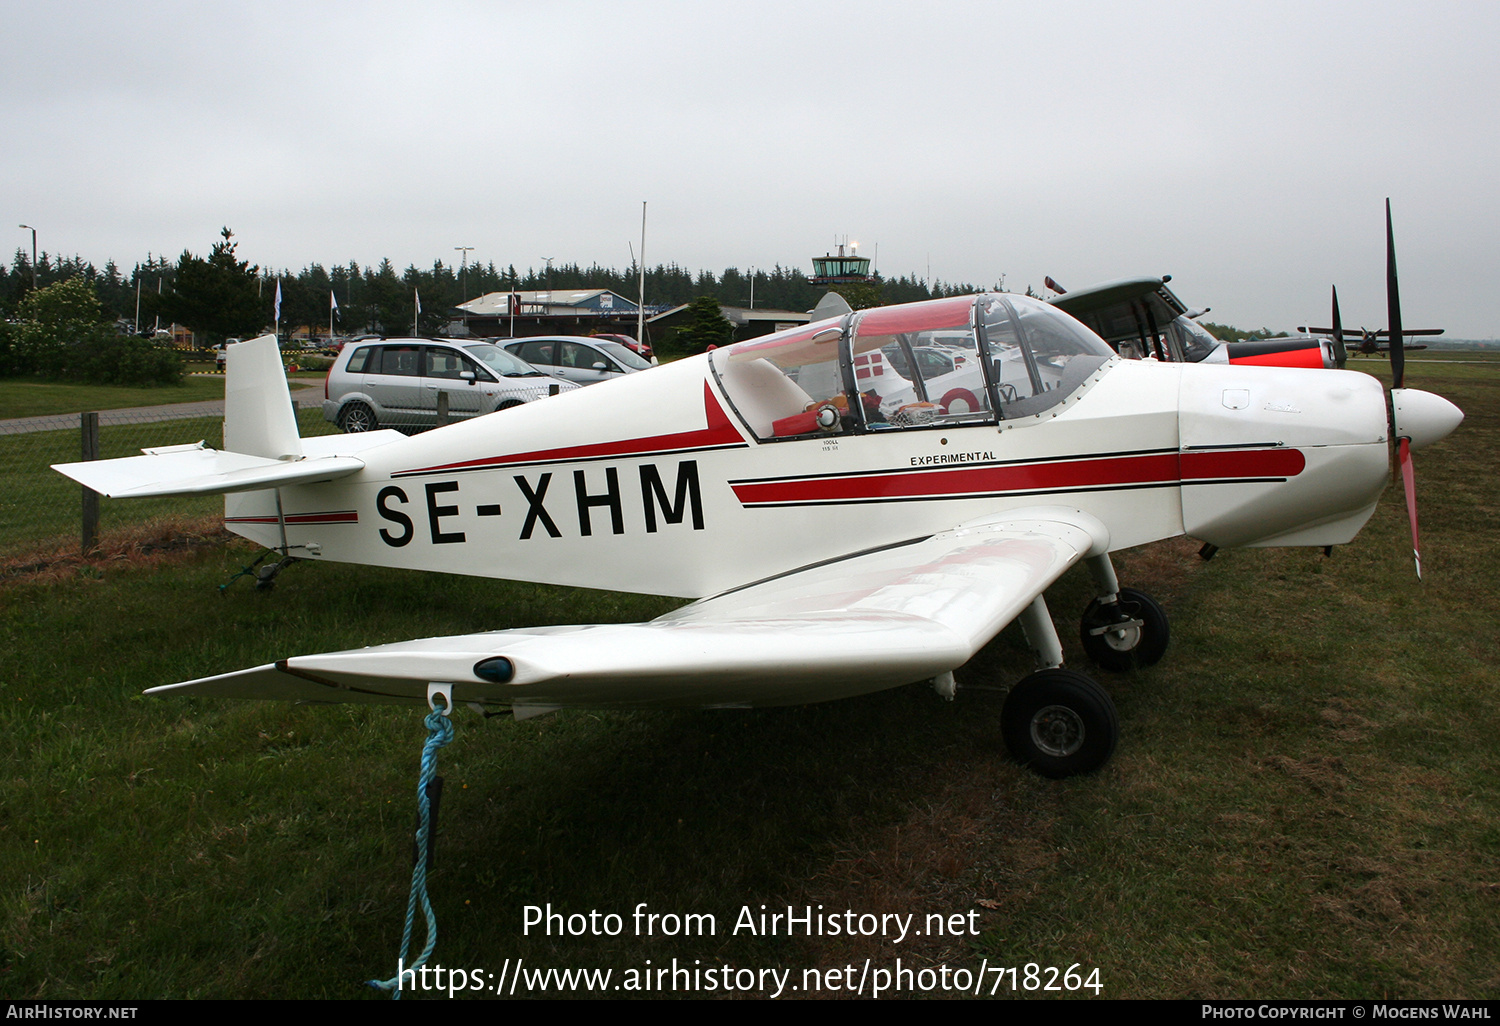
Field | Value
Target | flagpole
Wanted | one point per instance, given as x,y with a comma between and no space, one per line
640,315
417,295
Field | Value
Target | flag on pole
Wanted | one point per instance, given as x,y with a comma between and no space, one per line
333,301
276,315
417,293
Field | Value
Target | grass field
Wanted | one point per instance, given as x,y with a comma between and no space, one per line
1305,801
39,398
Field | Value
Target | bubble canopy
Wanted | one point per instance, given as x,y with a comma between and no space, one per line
944,362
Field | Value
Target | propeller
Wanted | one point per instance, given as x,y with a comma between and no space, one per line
1417,417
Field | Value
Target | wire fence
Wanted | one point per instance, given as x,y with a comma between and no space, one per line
42,511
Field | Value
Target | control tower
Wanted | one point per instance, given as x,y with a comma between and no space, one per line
830,270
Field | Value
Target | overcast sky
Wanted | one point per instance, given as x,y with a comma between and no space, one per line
1244,148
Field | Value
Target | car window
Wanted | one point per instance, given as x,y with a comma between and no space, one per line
396,360
623,354
446,363
501,362
535,352
357,361
933,363
582,357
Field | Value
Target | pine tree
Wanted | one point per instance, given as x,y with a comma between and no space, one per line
217,298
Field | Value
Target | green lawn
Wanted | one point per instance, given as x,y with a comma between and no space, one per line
36,399
1305,802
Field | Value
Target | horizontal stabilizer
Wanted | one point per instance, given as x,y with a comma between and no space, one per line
198,470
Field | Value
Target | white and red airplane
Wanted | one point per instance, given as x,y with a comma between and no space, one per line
841,528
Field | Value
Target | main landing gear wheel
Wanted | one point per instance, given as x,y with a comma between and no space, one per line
1060,723
1130,634
357,417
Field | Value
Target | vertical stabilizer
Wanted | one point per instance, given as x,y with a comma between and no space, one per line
259,419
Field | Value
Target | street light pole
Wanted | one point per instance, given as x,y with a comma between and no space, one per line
33,253
463,279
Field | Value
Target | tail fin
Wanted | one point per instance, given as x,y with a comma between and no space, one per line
259,418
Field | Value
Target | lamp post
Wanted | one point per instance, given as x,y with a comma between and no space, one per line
463,279
33,253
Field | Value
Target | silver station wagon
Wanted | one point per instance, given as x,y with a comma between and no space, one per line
395,382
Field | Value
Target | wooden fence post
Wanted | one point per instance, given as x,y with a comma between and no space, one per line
90,430
442,409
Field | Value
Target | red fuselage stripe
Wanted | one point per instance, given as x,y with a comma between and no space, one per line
1077,475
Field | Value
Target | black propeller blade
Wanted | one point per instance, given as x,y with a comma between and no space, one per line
1393,305
1340,354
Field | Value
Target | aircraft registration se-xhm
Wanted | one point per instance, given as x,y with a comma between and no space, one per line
846,516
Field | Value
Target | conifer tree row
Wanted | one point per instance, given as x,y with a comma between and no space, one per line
379,298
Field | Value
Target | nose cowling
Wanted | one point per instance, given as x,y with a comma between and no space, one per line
1423,417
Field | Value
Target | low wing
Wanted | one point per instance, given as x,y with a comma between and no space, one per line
858,624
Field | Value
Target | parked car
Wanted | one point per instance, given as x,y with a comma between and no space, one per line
395,383
583,361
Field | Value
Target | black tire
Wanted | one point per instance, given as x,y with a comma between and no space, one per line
1131,647
1060,723
509,404
357,417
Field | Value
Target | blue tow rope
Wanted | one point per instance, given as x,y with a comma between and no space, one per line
440,733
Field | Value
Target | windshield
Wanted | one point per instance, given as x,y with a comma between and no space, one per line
622,354
503,363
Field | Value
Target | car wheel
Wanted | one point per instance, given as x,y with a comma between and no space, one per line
357,417
508,404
